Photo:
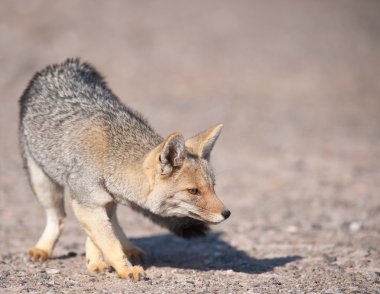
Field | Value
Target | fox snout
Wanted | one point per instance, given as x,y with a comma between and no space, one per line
212,210
225,214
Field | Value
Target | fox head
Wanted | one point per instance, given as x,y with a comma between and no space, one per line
182,180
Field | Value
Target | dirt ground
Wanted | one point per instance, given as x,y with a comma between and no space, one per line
297,86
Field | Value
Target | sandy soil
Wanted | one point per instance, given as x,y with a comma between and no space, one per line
297,85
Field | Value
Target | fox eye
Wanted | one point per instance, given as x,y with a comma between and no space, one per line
194,191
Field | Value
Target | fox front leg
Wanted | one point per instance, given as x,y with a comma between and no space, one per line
94,257
95,260
133,253
98,227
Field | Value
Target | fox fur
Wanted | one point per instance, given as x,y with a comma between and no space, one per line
78,139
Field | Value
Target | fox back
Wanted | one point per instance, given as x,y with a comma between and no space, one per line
67,110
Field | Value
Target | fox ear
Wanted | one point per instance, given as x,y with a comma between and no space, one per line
172,153
203,143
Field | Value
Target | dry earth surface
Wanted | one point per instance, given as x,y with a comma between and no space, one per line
297,85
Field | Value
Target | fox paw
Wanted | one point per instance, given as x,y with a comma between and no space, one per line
134,273
36,254
99,266
134,254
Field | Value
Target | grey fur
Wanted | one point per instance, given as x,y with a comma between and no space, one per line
62,101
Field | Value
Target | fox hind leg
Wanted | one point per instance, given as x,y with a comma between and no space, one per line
51,197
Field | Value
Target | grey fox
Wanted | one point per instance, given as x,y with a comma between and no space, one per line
78,139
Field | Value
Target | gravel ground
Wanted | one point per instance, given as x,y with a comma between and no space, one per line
297,86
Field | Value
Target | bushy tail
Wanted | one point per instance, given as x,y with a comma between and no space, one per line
184,227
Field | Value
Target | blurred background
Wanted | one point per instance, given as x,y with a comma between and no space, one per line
295,83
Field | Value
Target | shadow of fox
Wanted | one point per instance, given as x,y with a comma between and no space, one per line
204,254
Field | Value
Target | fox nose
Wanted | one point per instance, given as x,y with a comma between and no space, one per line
226,214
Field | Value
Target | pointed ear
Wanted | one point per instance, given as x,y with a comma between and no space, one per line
172,153
203,143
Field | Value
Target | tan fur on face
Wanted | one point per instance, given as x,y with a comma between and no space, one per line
169,191
196,173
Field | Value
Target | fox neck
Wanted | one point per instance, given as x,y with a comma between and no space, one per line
127,183
132,182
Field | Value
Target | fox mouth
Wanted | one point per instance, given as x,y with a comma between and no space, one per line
198,217
187,209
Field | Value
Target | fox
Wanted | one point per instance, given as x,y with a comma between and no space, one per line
78,141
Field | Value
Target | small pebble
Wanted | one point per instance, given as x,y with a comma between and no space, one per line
355,226
52,271
21,274
292,229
